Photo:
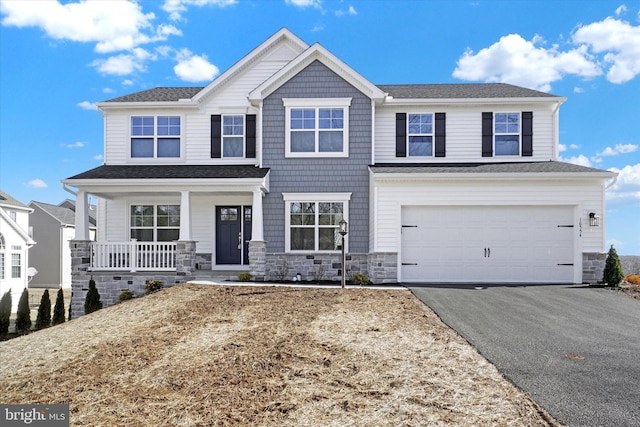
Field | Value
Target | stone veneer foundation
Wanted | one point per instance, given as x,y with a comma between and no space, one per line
111,283
593,267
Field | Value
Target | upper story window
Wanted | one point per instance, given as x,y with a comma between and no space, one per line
507,134
155,136
155,223
233,136
13,215
317,127
420,135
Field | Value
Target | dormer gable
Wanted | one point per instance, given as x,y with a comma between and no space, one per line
316,53
280,47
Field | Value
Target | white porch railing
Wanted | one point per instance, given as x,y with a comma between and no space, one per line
133,256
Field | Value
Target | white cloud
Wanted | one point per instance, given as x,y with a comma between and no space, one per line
619,41
194,68
562,147
619,149
305,3
621,10
176,7
627,186
574,146
317,28
37,183
127,82
124,64
98,157
578,90
580,159
522,62
86,105
111,25
350,11
78,144
107,90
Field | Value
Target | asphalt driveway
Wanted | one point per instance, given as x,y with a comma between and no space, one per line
574,349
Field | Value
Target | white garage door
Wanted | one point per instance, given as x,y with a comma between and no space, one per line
485,244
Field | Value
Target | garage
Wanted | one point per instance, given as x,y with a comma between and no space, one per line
488,244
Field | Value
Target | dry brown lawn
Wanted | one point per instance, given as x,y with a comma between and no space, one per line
263,356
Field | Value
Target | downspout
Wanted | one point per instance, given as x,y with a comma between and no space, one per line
556,139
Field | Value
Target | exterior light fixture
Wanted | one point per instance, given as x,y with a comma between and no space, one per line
594,219
343,231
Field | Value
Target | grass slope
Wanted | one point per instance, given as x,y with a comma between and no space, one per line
205,355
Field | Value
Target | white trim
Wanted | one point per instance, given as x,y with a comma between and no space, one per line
316,104
316,52
156,138
289,198
433,135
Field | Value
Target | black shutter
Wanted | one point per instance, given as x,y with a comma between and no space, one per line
527,133
401,134
216,136
441,133
250,148
487,134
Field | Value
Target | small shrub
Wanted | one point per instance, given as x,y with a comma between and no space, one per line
125,295
5,313
245,276
43,319
153,285
23,319
634,279
360,279
58,309
612,274
92,300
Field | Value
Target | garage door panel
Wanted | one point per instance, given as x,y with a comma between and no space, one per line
487,244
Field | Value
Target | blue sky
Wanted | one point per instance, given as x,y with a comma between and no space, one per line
58,58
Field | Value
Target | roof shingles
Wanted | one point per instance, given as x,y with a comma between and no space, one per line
172,171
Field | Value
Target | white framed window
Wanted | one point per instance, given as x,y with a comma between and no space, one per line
420,134
233,134
317,127
155,223
155,136
506,135
312,221
16,266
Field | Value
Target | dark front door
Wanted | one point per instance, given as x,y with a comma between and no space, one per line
233,230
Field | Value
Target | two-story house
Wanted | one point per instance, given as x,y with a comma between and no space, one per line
438,183
15,241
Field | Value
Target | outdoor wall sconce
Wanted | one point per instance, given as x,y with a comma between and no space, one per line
594,219
343,231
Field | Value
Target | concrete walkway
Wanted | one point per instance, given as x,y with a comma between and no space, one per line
574,349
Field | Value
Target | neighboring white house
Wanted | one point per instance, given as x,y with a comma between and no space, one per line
15,241
53,228
438,182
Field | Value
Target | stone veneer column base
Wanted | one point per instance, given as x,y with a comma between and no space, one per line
258,259
593,267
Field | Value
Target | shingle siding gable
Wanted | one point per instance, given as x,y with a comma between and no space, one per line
312,175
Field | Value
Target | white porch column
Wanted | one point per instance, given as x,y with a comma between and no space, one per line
185,216
82,216
256,220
